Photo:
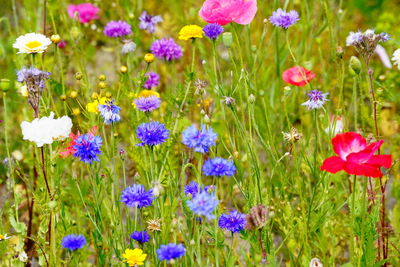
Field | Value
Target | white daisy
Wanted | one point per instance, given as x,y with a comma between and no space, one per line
31,43
46,129
396,58
4,237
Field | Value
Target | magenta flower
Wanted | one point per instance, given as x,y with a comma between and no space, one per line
86,12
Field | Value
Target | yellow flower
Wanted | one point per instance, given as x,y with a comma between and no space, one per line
4,237
92,106
147,93
190,32
134,256
149,58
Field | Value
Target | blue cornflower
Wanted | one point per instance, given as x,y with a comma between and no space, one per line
170,251
137,196
213,30
147,104
199,140
317,99
109,111
193,188
87,147
73,242
219,167
283,19
140,236
234,221
152,133
203,204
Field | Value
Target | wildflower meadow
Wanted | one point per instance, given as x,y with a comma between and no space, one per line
213,133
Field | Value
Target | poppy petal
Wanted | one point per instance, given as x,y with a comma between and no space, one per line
362,169
346,143
381,160
333,164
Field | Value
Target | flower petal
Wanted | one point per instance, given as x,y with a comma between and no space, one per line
333,164
362,169
346,143
381,160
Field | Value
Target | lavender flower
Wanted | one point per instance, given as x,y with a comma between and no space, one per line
110,112
170,251
193,189
366,42
137,196
199,140
203,204
234,221
166,49
354,38
117,29
147,104
140,236
152,133
148,22
153,80
317,99
128,46
73,242
213,30
219,167
87,147
283,19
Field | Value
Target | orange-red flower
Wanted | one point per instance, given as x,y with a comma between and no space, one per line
298,76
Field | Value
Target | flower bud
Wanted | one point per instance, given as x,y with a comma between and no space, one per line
95,96
123,69
63,97
73,94
102,77
339,52
149,58
227,39
55,38
252,99
5,84
102,85
355,64
76,111
78,76
75,32
108,94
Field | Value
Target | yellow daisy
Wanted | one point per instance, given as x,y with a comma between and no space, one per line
134,256
32,43
147,93
93,106
190,32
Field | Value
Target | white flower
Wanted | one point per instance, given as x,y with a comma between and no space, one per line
335,127
32,43
315,262
23,257
4,237
381,52
128,46
46,129
396,58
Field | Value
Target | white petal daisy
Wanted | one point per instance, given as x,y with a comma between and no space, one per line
32,43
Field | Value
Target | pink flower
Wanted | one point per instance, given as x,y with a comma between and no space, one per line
298,76
355,156
225,11
86,12
70,150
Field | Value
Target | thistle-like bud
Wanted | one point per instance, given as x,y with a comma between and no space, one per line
55,38
257,218
78,76
252,99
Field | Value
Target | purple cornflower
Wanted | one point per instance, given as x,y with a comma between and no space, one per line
283,19
170,251
147,104
203,204
219,167
137,196
87,147
73,242
193,189
153,80
166,49
317,99
148,22
117,29
152,133
33,78
213,30
110,112
141,236
234,221
199,140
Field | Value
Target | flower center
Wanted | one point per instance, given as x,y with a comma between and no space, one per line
33,44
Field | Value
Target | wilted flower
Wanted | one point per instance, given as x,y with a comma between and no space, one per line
148,22
85,12
200,86
154,225
316,99
32,43
170,251
46,129
137,196
117,29
73,242
283,19
292,136
166,49
257,218
134,256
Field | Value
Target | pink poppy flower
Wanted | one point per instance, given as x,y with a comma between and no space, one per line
225,11
355,156
86,12
298,76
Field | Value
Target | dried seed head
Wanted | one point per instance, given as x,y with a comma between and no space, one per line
257,218
154,225
293,136
200,86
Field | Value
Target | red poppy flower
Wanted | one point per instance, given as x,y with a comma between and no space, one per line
298,76
355,156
